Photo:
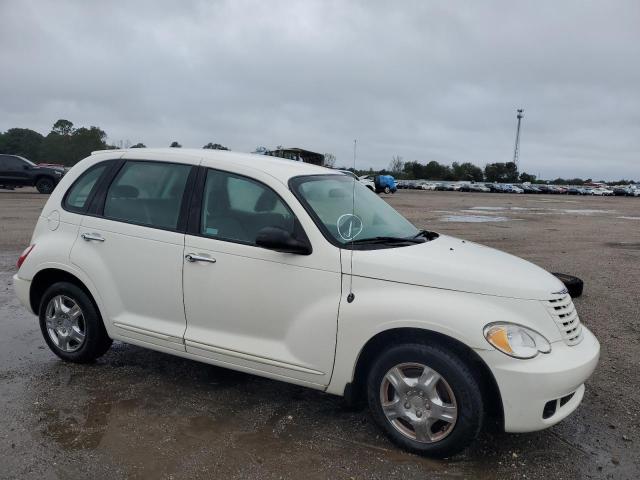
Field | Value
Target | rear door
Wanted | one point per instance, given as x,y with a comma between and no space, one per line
131,245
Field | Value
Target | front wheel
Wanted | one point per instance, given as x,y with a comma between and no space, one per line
426,399
387,190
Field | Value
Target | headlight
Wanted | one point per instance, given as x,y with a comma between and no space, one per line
515,340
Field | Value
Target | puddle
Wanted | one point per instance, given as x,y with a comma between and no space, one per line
475,218
624,245
489,208
586,211
629,218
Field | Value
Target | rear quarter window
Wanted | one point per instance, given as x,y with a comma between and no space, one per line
76,199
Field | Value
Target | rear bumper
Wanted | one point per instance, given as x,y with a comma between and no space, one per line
526,386
22,287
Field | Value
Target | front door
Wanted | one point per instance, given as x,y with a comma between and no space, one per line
257,310
132,250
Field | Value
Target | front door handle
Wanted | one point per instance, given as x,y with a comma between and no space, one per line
92,236
192,257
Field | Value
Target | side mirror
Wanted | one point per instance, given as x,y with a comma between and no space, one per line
280,240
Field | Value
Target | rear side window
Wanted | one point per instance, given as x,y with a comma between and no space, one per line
78,195
12,163
147,193
236,208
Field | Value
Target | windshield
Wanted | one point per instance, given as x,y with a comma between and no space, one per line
347,218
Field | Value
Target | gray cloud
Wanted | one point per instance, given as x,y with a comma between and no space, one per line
424,80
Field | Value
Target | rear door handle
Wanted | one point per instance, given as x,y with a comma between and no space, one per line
192,257
92,236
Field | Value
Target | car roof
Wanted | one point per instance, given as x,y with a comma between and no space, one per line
280,168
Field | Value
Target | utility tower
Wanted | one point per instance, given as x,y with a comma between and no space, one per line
516,150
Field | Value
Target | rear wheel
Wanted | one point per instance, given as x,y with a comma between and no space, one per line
45,185
71,324
425,399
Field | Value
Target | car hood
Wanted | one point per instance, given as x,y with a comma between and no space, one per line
454,264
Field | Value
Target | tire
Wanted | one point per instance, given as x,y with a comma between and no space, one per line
387,190
460,389
45,185
61,328
574,285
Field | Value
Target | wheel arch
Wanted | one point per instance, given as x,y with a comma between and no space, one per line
47,277
355,390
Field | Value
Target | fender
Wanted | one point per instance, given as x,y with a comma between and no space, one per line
437,310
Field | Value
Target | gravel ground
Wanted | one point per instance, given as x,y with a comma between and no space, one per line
142,414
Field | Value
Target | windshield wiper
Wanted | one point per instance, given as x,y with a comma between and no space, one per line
426,234
361,241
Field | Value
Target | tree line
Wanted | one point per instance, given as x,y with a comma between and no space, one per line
506,172
64,144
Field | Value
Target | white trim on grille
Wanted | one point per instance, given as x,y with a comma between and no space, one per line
566,317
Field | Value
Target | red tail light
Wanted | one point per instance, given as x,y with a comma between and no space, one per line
23,256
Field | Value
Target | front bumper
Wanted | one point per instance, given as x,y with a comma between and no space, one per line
527,385
22,287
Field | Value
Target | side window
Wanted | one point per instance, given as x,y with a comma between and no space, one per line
13,163
236,208
78,194
147,193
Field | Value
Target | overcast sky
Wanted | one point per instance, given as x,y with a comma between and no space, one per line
423,80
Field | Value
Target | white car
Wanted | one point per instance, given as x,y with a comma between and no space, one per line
428,186
513,189
601,191
368,182
275,268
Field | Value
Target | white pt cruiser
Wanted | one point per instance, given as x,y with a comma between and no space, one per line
300,274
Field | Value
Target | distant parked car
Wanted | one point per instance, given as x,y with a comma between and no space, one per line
17,171
427,186
513,189
601,191
573,191
368,182
530,189
478,187
622,191
385,183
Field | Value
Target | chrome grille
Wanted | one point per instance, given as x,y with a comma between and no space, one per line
566,317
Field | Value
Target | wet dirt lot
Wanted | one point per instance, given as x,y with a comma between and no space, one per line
142,414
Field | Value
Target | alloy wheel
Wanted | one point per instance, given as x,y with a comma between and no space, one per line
65,323
418,402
